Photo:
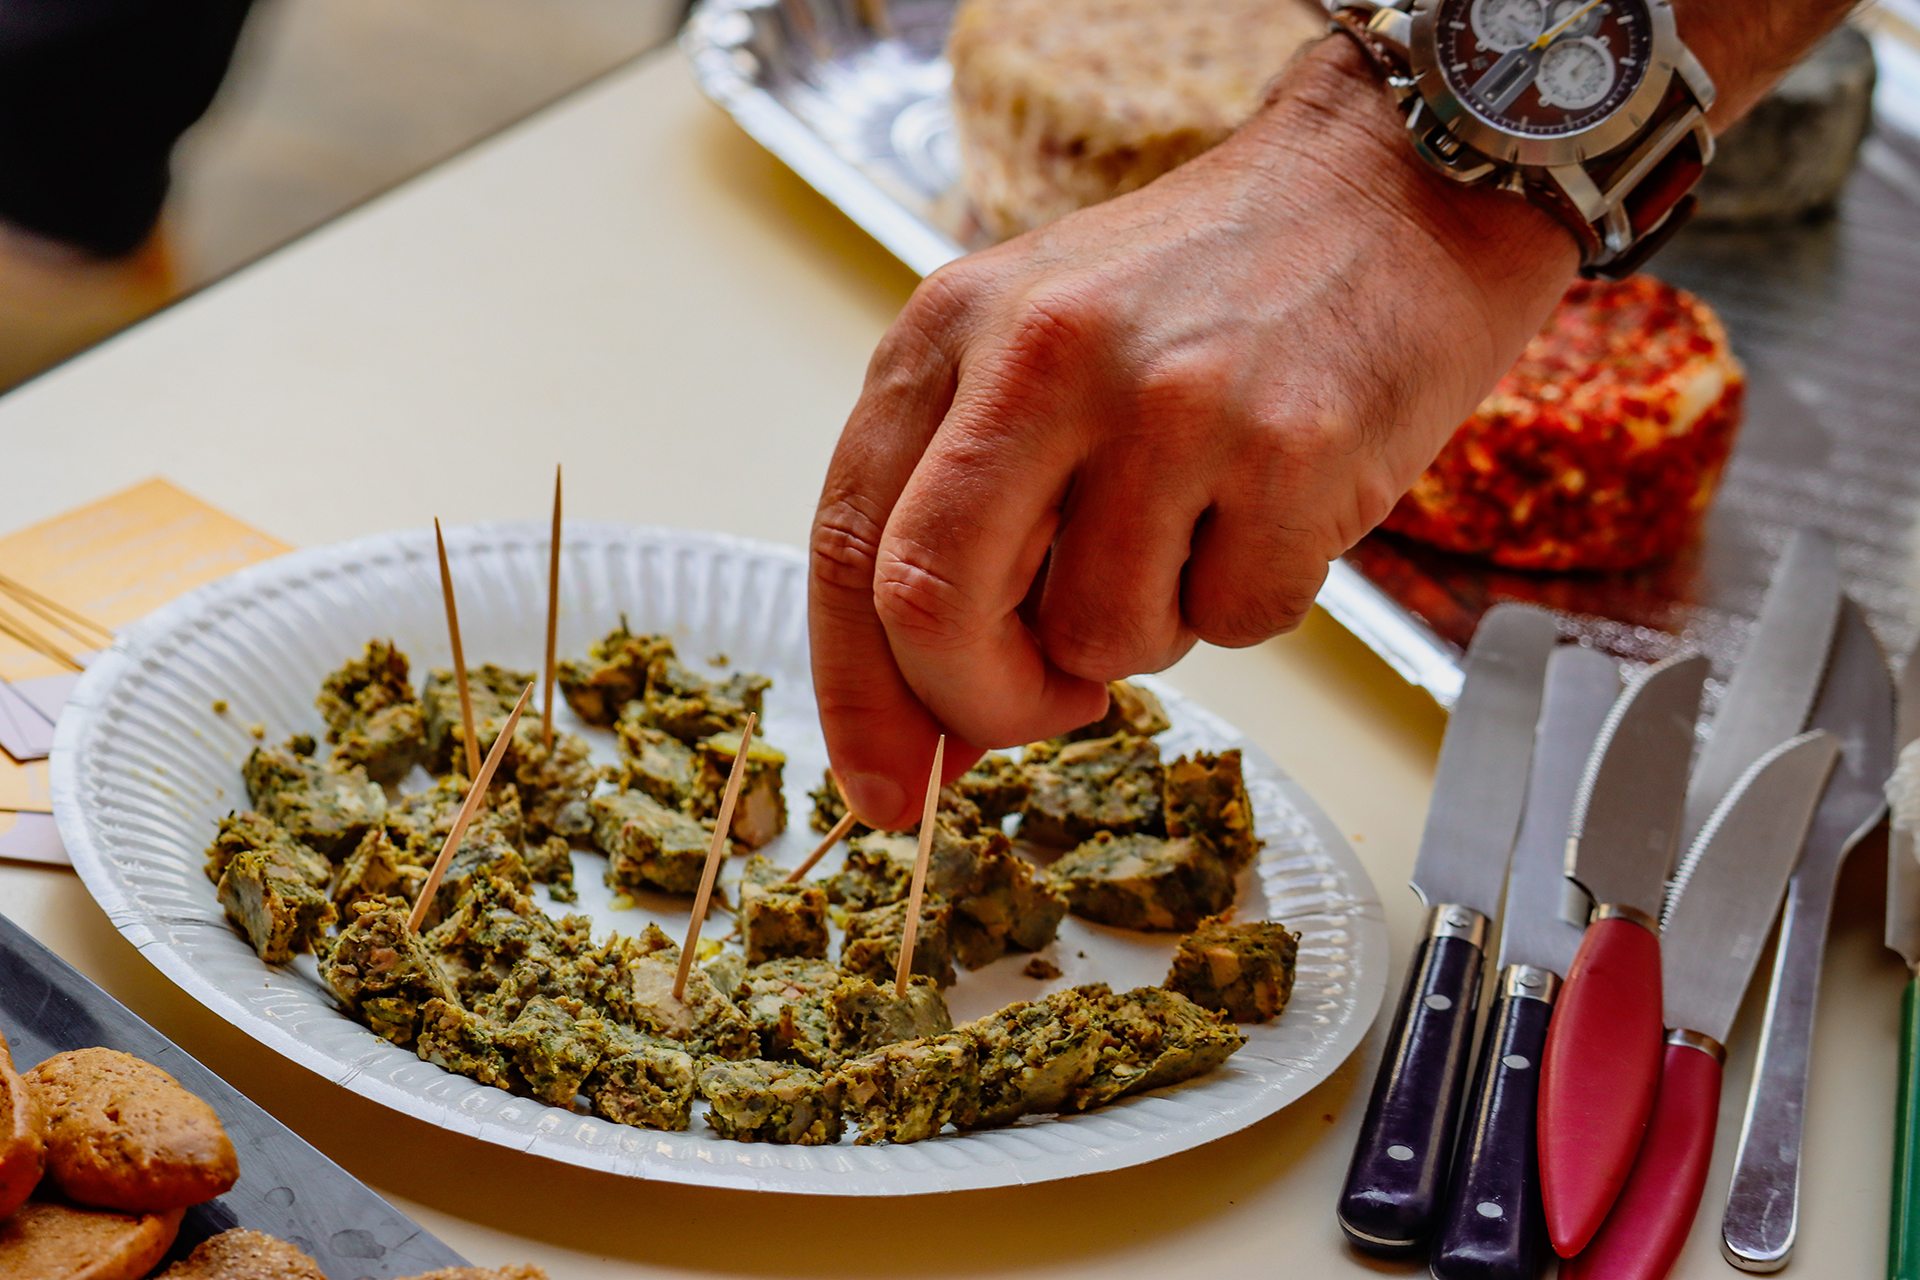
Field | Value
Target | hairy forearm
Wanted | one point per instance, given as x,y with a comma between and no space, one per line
1747,45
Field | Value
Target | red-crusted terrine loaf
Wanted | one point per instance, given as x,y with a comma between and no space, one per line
1600,448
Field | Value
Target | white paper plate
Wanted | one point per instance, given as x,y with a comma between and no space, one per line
143,766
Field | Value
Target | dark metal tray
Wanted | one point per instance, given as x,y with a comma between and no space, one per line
852,94
286,1189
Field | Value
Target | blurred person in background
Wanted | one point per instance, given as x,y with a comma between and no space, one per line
93,96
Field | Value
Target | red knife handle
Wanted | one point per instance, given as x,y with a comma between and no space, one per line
1391,1201
1648,1227
1601,1070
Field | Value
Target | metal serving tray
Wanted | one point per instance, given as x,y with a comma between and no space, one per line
853,96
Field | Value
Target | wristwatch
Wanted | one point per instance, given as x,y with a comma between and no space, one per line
1593,109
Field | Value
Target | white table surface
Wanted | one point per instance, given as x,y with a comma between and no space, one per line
629,286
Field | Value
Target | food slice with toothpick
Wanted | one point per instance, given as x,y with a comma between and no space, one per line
864,1015
648,845
778,918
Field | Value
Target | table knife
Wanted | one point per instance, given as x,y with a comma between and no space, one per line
1903,936
1856,706
1602,1060
1391,1200
1778,675
1716,925
1492,1228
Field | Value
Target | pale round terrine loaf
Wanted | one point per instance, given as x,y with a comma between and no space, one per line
1059,104
1602,446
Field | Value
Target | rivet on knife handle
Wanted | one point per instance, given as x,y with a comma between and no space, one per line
1758,1229
1602,1066
1649,1225
1391,1201
1903,1236
1492,1228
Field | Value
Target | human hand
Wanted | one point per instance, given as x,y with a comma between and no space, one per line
1153,422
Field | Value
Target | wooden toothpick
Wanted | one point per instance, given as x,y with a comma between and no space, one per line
475,794
715,854
459,656
911,932
820,851
553,614
51,610
26,635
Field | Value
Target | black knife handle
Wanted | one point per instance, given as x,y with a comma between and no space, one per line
1493,1227
1391,1201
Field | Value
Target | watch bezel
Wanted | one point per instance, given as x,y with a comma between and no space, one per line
1608,134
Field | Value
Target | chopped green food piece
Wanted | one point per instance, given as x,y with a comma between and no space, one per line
910,1091
997,786
251,832
554,784
639,991
613,674
553,1049
373,717
760,812
376,869
760,1101
864,1015
1131,708
654,761
873,938
1144,882
551,863
691,707
420,821
778,919
465,1043
383,972
493,691
786,1003
278,911
327,806
1032,1057
481,855
1154,1037
1041,968
1205,796
1009,906
648,845
1242,970
1080,788
641,1081
728,970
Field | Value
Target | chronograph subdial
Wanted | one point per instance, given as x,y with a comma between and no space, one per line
1504,25
1575,73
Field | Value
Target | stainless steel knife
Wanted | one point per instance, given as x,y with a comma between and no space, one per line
1602,1060
1391,1200
1856,706
1716,926
1903,936
1776,679
1492,1228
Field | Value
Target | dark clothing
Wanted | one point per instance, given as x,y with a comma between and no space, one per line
93,95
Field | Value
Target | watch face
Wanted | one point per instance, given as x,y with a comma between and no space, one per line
1543,68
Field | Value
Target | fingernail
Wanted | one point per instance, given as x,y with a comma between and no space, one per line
874,796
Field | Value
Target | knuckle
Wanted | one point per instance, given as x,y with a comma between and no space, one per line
1054,327
845,545
917,603
1237,620
1106,646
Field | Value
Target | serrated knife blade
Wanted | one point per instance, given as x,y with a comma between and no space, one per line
1722,913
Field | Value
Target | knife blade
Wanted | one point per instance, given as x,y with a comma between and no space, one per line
1856,706
1391,1199
1492,1228
1774,683
1903,937
1602,1060
1719,921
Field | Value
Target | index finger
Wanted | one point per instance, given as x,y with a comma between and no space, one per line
879,735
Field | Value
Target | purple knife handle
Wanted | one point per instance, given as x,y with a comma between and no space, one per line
1493,1228
1391,1201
